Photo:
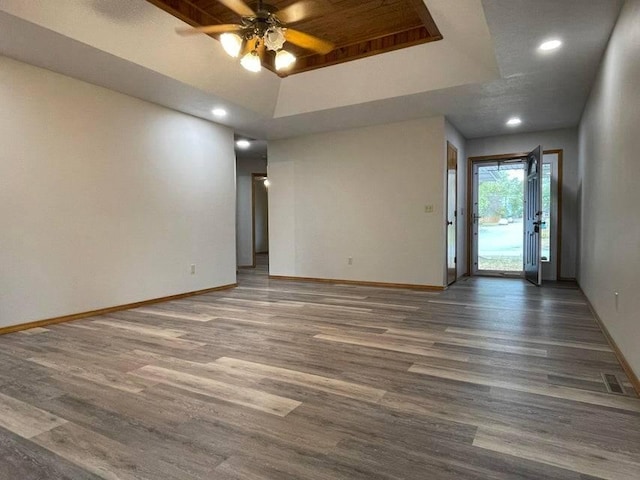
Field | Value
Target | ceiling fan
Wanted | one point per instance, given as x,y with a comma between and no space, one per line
261,29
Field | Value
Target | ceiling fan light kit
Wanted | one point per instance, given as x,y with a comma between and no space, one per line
262,30
284,60
251,61
274,39
231,43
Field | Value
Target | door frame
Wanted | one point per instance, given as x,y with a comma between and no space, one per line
254,176
453,149
469,194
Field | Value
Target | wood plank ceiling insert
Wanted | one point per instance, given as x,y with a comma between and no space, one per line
359,28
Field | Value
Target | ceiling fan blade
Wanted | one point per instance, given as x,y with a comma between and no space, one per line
307,41
239,7
230,27
299,11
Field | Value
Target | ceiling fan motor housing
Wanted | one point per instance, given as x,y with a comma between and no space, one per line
264,25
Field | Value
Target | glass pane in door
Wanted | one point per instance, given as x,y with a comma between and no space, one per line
545,228
500,222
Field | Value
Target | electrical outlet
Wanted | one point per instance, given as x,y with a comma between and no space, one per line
350,260
428,209
193,269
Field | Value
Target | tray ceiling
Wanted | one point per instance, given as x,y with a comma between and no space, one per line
359,28
486,68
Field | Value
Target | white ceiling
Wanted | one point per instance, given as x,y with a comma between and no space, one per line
485,70
546,90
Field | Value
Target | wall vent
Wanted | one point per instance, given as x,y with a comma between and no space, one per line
613,384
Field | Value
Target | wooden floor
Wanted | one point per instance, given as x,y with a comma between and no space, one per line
492,379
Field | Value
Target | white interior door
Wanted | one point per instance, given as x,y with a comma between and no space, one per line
452,214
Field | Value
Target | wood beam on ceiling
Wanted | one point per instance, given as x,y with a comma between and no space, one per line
359,45
427,20
187,12
367,48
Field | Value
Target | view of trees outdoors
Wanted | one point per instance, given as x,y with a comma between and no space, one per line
501,209
501,197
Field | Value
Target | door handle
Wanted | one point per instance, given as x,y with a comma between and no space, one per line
476,218
449,223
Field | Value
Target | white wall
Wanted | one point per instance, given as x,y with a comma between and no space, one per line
105,199
466,55
360,193
138,32
565,139
610,187
246,165
457,140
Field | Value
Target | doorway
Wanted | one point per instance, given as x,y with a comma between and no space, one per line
497,206
452,213
497,214
260,219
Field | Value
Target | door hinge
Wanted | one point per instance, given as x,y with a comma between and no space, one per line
455,259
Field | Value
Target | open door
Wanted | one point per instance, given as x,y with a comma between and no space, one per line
533,218
452,205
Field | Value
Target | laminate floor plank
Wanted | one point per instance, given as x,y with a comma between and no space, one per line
115,380
325,384
180,420
24,460
422,349
105,457
155,339
209,370
558,452
138,432
550,390
603,347
452,461
34,331
157,312
496,345
145,330
24,419
281,380
229,430
244,396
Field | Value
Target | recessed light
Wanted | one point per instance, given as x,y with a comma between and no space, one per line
550,45
219,112
243,144
514,122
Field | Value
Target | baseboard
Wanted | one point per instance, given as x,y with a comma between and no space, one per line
410,286
104,311
612,343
